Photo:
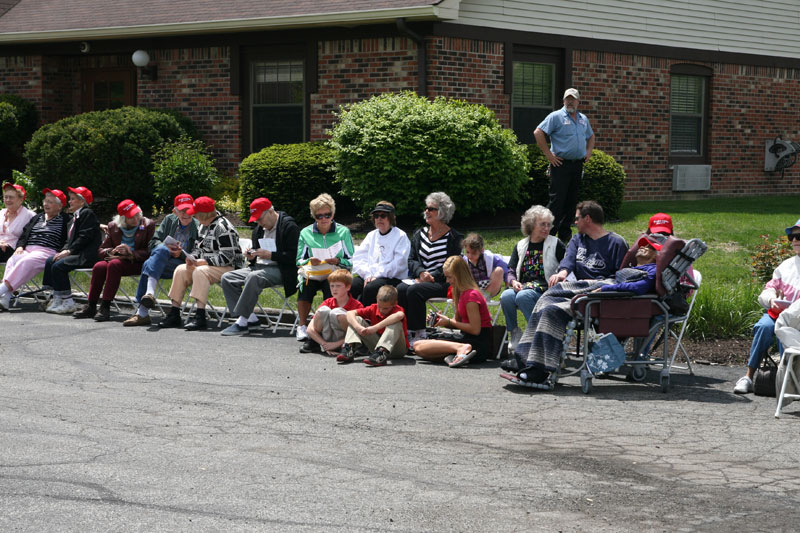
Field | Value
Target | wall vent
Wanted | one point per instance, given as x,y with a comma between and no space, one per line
691,177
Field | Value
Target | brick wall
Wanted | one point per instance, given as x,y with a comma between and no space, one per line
468,70
353,70
626,97
196,82
22,76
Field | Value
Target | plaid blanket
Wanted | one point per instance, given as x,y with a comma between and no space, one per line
542,342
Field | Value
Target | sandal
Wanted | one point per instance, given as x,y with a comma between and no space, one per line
461,359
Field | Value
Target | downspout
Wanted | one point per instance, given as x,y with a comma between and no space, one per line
422,56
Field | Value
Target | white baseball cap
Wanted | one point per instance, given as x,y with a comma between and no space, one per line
573,93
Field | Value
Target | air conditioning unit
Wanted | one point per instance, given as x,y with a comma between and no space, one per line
691,177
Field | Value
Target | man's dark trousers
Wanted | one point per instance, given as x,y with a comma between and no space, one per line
565,183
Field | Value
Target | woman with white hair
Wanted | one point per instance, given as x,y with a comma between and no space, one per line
122,253
430,248
533,260
41,238
13,218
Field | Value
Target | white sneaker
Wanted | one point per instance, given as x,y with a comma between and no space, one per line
513,338
67,307
743,386
302,333
5,301
55,302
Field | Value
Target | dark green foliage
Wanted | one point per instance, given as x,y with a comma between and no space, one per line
182,166
33,196
603,181
768,255
185,123
290,175
18,121
108,151
401,147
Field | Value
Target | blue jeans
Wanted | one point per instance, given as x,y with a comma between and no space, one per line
524,300
763,334
159,265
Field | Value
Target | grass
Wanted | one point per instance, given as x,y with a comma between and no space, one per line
731,227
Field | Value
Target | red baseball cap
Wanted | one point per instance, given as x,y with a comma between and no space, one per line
660,223
128,209
257,208
204,204
83,192
19,188
58,194
656,241
185,202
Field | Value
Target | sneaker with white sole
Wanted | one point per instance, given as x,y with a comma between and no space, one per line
743,386
55,302
5,301
301,334
66,307
513,338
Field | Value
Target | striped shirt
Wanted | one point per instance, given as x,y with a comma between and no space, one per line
47,233
433,254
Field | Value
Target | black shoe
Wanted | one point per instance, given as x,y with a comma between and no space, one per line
87,312
104,313
510,365
310,346
172,320
533,374
199,322
348,354
377,358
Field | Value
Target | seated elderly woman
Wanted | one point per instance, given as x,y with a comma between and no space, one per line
326,242
41,238
83,239
533,260
382,257
471,318
13,219
430,247
122,253
540,348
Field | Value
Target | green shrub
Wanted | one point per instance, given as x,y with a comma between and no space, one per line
290,175
401,147
8,122
186,124
603,181
110,151
27,120
768,255
182,166
33,196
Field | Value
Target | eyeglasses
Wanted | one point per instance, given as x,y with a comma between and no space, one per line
429,209
545,224
320,216
793,236
380,215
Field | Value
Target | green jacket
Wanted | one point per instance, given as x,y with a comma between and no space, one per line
169,226
311,238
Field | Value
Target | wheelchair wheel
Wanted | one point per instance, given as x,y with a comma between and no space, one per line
586,382
664,382
638,373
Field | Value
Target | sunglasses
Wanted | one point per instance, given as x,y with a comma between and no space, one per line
320,216
793,236
429,209
380,215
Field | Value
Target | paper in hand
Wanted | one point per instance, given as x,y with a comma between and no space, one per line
171,241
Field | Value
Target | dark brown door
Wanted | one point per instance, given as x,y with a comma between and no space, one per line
108,88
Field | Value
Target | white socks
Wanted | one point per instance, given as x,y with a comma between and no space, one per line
241,322
152,283
143,311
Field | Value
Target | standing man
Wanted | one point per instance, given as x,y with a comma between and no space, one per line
272,262
571,144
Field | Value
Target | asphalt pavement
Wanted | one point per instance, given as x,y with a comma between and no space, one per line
105,428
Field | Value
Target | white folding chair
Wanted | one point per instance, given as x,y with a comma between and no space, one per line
684,321
75,280
788,359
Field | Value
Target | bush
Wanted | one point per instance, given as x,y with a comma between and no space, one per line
768,255
290,175
33,196
110,151
401,147
8,122
603,181
186,124
18,121
182,166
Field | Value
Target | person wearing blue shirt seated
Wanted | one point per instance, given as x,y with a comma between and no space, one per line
571,144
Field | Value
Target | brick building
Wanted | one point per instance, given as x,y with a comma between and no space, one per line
671,90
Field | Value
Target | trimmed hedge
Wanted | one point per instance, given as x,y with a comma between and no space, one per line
110,151
603,181
401,147
18,120
290,175
182,166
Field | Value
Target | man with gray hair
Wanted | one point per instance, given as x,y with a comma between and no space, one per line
272,262
571,144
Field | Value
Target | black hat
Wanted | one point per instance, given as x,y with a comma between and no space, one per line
382,208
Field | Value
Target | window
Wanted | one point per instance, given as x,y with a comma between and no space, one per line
108,89
533,97
277,102
689,88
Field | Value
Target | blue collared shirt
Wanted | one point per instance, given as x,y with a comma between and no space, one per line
567,136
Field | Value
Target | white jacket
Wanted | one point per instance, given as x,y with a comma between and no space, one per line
383,256
786,279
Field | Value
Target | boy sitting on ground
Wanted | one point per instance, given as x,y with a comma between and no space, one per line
327,328
381,327
488,269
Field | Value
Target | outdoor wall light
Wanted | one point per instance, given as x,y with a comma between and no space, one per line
141,58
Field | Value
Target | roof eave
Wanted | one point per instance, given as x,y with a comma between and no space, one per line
447,9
